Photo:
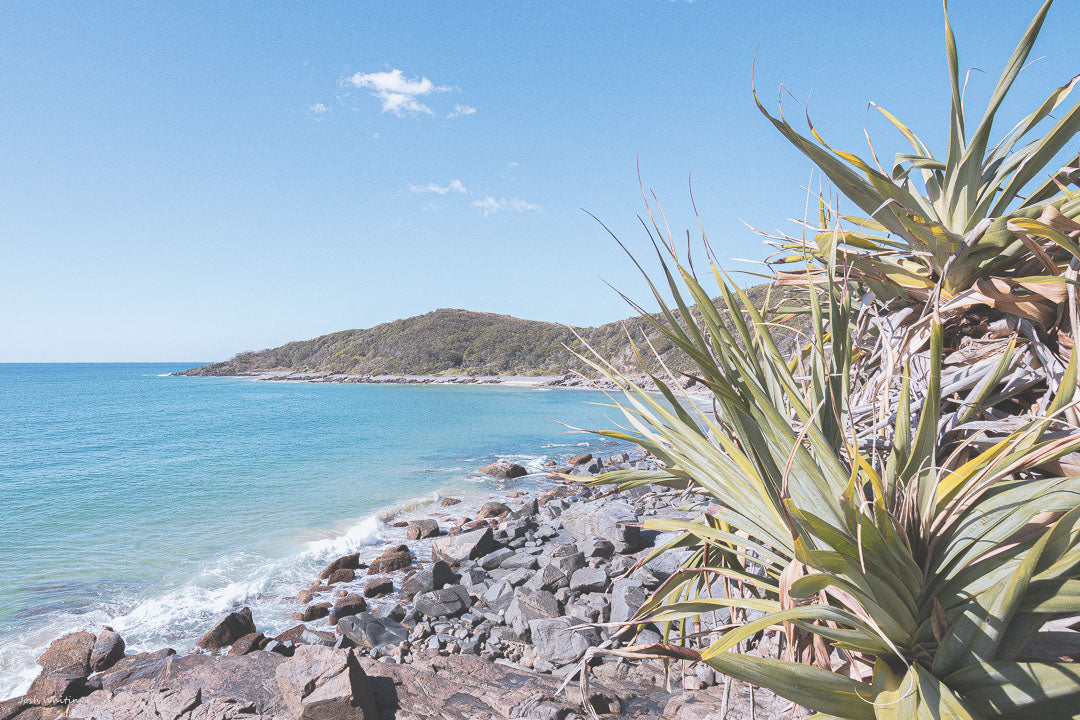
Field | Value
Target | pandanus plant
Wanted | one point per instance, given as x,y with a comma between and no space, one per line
989,234
909,525
908,584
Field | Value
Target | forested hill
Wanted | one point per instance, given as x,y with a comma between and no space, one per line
454,342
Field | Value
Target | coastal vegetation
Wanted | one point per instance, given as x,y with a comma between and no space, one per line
460,342
897,496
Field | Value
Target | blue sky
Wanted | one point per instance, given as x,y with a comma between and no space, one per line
185,181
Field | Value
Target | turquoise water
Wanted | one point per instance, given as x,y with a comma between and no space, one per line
156,503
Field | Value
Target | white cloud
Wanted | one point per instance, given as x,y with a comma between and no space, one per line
460,110
397,93
514,165
454,185
318,110
490,205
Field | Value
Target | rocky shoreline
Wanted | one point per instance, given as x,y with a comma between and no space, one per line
486,614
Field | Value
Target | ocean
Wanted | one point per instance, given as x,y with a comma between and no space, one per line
155,504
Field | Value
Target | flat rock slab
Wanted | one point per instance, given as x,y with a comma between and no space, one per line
461,687
326,684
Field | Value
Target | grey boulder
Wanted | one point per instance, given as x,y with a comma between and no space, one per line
321,683
367,631
433,577
465,546
529,605
562,640
627,596
447,602
588,580
610,520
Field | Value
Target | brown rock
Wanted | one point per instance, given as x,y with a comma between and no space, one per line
68,655
420,529
448,501
350,562
395,558
108,648
134,668
12,707
194,687
504,469
314,611
292,634
232,627
321,683
493,509
54,689
351,604
579,459
304,596
343,575
463,686
399,523
249,643
378,587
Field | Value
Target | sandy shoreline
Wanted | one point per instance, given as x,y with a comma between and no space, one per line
568,381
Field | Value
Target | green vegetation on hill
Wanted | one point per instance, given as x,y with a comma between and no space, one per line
450,341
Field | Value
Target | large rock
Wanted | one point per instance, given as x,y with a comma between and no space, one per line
462,687
314,611
55,688
579,459
465,546
68,655
529,605
504,469
351,604
557,641
395,558
588,580
367,631
231,628
447,602
595,547
325,684
108,648
433,577
249,643
345,562
608,520
136,668
378,587
548,578
493,510
420,529
494,559
627,596
518,561
195,687
498,596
